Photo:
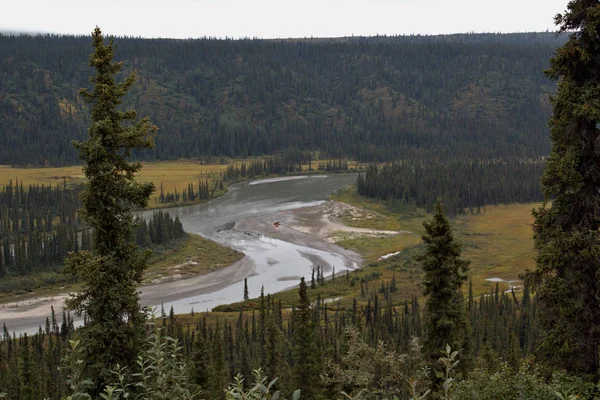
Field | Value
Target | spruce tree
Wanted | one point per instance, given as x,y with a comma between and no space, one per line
306,358
566,227
111,272
445,272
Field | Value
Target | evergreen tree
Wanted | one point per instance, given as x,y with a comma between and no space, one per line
305,352
26,371
246,295
445,272
566,231
111,272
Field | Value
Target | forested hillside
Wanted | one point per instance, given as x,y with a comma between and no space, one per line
373,99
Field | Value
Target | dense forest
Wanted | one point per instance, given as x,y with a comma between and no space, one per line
41,224
372,99
465,186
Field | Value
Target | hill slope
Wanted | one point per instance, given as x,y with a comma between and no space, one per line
477,96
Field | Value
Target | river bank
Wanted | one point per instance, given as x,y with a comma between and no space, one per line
265,257
308,231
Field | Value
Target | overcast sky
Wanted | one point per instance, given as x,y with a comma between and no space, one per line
278,18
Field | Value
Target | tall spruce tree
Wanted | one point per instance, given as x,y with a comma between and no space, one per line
111,272
445,272
566,228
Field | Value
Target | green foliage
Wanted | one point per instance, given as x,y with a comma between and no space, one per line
525,384
260,390
111,272
163,373
449,362
566,231
374,372
72,364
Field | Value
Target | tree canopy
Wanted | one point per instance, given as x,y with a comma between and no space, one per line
566,229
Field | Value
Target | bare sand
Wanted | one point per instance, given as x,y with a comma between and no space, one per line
324,222
23,315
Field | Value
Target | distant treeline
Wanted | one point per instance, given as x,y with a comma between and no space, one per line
40,224
203,191
37,208
280,165
464,186
370,99
159,230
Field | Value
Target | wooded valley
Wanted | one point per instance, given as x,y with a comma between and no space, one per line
371,99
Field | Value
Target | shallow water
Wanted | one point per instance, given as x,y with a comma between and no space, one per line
251,200
276,264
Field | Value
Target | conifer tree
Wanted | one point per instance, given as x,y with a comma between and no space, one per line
111,272
305,352
567,230
26,371
201,359
445,272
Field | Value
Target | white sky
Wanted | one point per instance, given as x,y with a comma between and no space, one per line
277,18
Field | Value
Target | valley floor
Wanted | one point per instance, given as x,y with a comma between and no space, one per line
498,241
316,227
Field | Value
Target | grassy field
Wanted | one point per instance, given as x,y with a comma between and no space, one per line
172,175
498,241
373,248
194,255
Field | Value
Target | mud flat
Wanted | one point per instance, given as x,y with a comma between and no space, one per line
28,315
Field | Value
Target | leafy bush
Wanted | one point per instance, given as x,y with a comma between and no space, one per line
162,375
260,391
526,384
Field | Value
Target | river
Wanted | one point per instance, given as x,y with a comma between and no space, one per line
242,219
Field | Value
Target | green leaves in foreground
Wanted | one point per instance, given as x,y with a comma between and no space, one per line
260,391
